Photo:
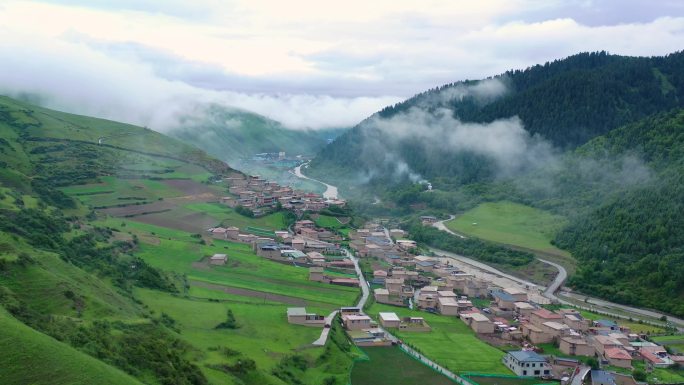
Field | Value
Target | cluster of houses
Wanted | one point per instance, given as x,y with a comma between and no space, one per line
613,344
255,193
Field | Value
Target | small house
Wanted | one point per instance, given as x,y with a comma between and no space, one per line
299,316
316,274
618,357
218,259
389,320
356,321
576,346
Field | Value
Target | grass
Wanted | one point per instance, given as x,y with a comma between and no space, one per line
678,338
42,286
228,217
112,191
451,343
391,366
481,380
30,357
658,375
264,334
177,251
511,223
328,222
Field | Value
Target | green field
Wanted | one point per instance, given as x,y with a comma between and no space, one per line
391,366
451,343
177,251
656,376
511,223
264,334
328,222
678,338
30,357
228,217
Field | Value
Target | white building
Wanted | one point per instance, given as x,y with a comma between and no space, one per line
526,363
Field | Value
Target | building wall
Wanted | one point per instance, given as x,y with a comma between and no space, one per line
620,363
578,350
356,325
483,327
448,310
390,324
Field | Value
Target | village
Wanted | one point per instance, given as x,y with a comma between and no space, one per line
515,318
261,196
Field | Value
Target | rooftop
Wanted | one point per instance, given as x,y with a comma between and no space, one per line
524,305
556,325
618,353
514,290
527,356
479,317
602,377
292,311
544,313
218,257
389,316
502,295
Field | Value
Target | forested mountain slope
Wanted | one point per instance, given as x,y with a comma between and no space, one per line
566,102
631,247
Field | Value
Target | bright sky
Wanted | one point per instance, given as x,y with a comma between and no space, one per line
306,63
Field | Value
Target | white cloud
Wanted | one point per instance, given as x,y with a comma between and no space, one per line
304,62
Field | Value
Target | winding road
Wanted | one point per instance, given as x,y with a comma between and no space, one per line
555,293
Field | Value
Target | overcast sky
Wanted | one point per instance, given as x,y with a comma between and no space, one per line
306,63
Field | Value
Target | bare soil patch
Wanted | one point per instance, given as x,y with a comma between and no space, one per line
191,223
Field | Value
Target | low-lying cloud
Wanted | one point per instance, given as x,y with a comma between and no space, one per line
501,149
75,77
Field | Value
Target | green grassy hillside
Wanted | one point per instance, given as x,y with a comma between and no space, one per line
511,223
101,265
30,357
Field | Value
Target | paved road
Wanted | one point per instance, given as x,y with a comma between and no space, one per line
578,378
441,226
330,190
365,292
326,331
562,275
481,266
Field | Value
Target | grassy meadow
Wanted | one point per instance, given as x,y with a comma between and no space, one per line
391,366
511,223
451,343
41,360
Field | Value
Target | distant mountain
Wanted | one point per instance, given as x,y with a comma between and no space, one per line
231,134
566,103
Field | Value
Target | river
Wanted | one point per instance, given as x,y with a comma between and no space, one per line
330,190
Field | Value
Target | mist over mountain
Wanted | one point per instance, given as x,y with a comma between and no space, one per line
551,107
231,134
